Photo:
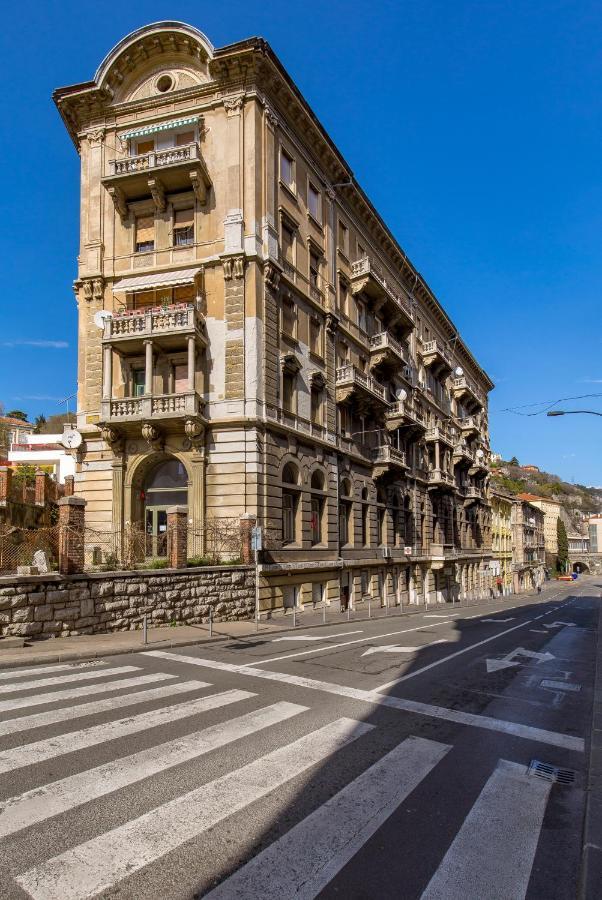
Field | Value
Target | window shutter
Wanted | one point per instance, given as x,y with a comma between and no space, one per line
145,229
184,218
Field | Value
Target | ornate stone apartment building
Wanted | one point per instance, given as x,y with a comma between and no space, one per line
252,338
529,545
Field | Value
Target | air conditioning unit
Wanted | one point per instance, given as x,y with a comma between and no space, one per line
387,553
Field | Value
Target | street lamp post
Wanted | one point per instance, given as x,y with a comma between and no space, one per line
573,412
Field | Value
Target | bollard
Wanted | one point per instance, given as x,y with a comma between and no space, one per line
348,612
294,616
386,604
145,629
210,621
369,607
324,612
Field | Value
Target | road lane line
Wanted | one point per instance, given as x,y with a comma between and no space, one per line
37,670
312,637
49,748
103,861
61,796
516,729
302,862
74,693
492,854
66,713
64,679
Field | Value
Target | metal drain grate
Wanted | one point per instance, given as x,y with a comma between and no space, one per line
551,773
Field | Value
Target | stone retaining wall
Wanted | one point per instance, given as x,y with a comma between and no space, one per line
52,605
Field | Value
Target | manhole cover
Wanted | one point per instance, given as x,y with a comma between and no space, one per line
559,685
551,773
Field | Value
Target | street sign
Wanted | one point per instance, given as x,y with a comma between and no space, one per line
256,538
407,551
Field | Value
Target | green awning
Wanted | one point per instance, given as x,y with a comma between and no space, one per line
162,126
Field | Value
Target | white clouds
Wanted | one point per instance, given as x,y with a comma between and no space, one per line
53,345
590,381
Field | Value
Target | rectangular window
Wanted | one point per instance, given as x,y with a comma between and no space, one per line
143,299
343,237
288,518
315,336
343,297
183,294
288,244
180,379
314,270
287,167
316,520
316,406
289,318
288,392
185,137
144,147
314,204
138,378
183,228
145,234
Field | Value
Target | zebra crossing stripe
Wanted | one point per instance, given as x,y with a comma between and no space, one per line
52,716
42,803
35,670
101,862
492,854
302,862
74,693
64,679
30,754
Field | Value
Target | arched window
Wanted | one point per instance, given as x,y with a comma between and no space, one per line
166,484
318,505
290,503
345,507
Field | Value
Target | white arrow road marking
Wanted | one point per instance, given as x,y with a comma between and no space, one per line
561,625
511,619
493,665
311,637
394,648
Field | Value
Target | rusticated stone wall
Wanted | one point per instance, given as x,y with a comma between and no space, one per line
51,605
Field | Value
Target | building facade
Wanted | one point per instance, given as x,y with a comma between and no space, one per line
253,340
552,512
501,540
529,546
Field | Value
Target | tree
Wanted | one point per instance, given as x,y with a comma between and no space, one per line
39,422
514,462
563,546
54,424
17,414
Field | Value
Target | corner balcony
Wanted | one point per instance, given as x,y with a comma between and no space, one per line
155,174
387,459
472,398
463,454
366,278
472,494
354,386
136,410
386,353
404,413
439,479
441,434
469,426
166,325
437,358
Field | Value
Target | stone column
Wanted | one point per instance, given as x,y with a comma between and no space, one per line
148,367
107,373
177,536
41,488
6,477
72,520
247,524
191,362
69,485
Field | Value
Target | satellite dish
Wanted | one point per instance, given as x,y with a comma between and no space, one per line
458,372
71,439
401,394
101,316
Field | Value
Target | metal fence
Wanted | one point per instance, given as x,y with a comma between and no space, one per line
18,547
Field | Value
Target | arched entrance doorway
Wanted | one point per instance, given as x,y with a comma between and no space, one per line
580,568
165,485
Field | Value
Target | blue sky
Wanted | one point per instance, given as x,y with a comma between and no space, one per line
475,128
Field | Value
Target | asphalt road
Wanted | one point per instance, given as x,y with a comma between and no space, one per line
389,758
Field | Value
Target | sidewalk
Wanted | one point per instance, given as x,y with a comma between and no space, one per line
591,861
93,646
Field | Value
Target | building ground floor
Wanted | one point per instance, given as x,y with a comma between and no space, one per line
528,577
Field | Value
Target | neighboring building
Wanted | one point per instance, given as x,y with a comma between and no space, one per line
578,543
552,510
496,458
267,346
595,533
529,545
501,540
529,468
11,431
44,451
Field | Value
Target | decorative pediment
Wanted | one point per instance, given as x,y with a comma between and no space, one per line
290,363
317,379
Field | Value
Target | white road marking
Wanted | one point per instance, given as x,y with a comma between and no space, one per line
65,679
42,803
492,854
72,694
561,625
537,631
302,862
66,713
311,637
103,861
516,729
30,754
493,665
440,615
35,670
394,648
511,619
552,685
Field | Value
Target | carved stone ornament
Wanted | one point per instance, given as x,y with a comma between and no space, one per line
290,364
317,379
158,194
332,323
271,117
234,104
87,285
331,193
195,431
98,289
96,136
152,436
118,198
271,274
112,437
238,266
227,266
199,186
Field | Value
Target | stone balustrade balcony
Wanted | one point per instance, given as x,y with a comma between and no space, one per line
442,479
442,434
386,353
468,393
155,174
437,358
388,459
405,413
367,278
353,385
167,324
469,425
134,410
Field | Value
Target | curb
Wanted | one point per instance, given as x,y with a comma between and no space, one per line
591,858
72,656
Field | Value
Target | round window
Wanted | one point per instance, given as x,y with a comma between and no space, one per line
165,83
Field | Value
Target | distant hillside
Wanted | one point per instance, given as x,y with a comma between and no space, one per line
576,499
